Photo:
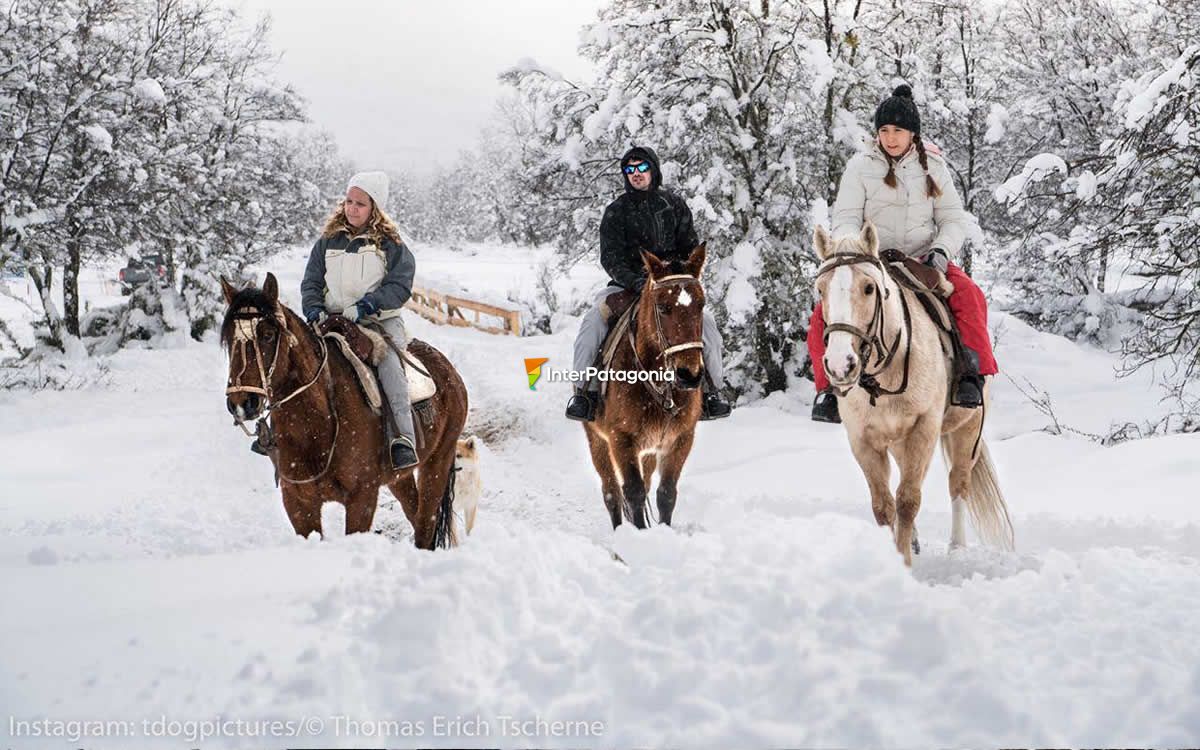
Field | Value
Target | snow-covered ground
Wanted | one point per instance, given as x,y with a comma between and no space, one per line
149,576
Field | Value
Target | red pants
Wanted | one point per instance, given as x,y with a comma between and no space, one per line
969,308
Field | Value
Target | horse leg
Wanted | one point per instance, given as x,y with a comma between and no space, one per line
432,482
608,477
303,509
404,490
878,470
960,459
633,488
360,510
670,467
913,458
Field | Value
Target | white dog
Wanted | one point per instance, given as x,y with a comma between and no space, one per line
468,487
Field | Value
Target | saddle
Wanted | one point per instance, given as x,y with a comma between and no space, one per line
618,310
933,291
364,349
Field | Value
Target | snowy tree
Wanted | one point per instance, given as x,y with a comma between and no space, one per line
144,125
725,92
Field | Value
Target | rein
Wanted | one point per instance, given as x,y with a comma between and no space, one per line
663,393
872,342
245,335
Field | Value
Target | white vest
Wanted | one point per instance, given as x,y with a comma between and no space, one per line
348,276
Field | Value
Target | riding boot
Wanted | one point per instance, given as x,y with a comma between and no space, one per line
403,453
582,406
825,408
968,390
255,447
714,407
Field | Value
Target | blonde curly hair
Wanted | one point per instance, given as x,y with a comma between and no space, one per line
378,228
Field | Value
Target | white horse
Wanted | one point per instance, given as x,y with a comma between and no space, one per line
886,359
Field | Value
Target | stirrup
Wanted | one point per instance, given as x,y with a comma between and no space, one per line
581,407
825,408
403,454
714,407
968,392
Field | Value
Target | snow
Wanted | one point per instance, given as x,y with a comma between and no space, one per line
150,92
99,138
1085,189
153,576
1036,169
997,120
1150,95
740,298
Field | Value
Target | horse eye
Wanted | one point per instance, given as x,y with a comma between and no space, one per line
268,333
869,289
664,308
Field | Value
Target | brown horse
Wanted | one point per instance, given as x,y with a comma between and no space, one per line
651,423
330,445
886,359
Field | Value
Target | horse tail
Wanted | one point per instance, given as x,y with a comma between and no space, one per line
989,512
444,535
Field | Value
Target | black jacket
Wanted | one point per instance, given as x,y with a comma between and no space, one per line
656,220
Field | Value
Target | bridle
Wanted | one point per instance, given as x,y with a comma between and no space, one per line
664,392
872,339
245,336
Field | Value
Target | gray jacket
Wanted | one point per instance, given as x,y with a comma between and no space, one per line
342,270
907,218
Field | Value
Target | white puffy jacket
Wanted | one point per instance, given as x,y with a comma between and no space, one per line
907,218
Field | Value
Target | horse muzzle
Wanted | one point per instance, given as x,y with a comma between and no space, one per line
244,406
845,377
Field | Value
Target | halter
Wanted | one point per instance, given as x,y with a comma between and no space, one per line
245,335
871,340
664,393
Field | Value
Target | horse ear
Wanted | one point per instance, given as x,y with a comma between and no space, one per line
870,238
822,242
271,288
695,261
654,266
228,290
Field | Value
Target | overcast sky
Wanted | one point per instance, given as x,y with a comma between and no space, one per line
407,83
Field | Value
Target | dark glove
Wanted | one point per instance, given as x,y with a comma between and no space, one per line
366,306
316,316
937,258
360,310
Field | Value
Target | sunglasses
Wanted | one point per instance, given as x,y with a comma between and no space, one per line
631,168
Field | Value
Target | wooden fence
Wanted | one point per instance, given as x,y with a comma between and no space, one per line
446,309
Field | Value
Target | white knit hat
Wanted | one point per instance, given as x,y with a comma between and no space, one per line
374,184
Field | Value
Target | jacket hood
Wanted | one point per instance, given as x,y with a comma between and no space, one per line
646,154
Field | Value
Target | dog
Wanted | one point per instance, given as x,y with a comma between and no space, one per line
468,487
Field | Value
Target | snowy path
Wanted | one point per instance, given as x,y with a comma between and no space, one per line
147,571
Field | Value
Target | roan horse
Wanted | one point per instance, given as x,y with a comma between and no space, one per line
646,423
331,445
893,376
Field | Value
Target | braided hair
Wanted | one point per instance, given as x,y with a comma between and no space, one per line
931,188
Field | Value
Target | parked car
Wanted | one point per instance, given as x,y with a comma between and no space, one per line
138,271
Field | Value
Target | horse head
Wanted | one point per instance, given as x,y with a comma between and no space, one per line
855,293
260,344
670,317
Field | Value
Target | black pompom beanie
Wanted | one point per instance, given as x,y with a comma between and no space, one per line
900,110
